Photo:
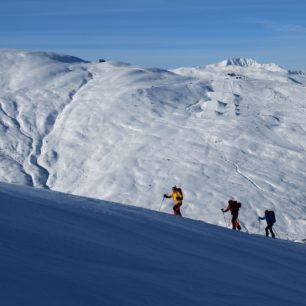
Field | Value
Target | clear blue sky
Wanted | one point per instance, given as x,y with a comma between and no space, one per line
161,33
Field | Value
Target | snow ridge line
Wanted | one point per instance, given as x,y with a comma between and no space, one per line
71,97
70,100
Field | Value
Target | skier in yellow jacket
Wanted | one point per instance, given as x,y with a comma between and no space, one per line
177,196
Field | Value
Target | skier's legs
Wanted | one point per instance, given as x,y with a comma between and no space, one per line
179,210
235,223
270,229
266,229
176,210
238,225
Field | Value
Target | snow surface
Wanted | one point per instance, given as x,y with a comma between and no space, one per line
58,249
128,134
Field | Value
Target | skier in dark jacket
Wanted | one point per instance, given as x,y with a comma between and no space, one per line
270,219
233,207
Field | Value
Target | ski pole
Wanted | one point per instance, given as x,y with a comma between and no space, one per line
161,203
224,219
277,235
243,225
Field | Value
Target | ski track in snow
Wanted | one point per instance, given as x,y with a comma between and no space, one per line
248,178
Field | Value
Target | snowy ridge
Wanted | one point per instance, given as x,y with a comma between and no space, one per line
128,134
249,63
59,249
243,62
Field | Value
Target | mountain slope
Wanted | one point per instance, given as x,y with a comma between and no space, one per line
128,134
35,89
58,249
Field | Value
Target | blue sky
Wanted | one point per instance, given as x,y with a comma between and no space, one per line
161,33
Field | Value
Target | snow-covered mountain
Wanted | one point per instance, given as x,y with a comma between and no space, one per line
248,63
127,134
58,249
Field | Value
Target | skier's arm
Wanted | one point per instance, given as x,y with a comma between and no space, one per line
227,209
262,218
167,196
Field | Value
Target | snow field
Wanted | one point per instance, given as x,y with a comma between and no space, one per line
128,134
59,249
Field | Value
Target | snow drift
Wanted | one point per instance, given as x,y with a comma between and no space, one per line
58,249
128,134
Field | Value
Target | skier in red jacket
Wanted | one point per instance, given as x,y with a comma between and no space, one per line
233,207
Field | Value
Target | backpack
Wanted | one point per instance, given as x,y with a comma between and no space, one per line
235,207
179,190
270,217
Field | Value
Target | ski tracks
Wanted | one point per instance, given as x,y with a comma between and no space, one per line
247,177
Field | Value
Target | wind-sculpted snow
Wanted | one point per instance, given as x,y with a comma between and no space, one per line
35,88
58,249
128,134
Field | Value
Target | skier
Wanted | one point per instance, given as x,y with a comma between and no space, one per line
177,196
270,219
233,207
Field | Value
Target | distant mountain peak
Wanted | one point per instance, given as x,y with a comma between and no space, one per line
249,63
243,62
